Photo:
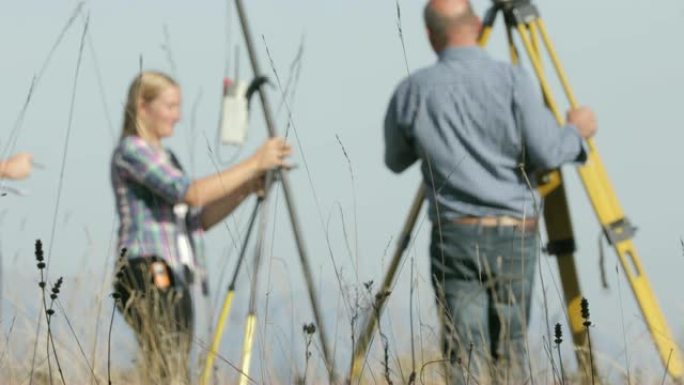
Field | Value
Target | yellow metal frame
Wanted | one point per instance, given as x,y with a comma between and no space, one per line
218,334
534,36
247,345
608,211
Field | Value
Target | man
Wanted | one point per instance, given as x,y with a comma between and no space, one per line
17,166
481,130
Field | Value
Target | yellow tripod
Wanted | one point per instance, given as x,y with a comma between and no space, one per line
523,18
282,176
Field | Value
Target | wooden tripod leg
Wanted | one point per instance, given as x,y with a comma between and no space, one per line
372,318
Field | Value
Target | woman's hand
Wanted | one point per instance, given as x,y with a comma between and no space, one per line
258,186
271,155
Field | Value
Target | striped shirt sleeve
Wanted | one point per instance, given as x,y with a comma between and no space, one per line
137,160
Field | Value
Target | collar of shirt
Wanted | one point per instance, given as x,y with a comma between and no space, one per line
461,53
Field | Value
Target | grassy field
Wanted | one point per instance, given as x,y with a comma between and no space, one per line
89,342
352,208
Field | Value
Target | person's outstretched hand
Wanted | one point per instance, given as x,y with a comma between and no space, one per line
272,154
17,166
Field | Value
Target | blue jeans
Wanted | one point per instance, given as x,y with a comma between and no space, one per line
483,278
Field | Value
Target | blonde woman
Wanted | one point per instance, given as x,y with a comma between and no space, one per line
162,216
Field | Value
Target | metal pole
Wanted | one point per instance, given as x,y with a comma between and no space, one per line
304,260
250,324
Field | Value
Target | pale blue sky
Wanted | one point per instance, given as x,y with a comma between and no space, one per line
623,58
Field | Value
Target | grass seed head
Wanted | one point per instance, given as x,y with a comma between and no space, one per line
558,334
585,312
39,251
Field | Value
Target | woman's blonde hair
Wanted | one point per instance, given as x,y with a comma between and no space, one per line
145,87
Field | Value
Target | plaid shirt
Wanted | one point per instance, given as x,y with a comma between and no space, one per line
147,183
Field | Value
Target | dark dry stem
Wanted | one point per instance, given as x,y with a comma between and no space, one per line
401,38
78,342
587,324
49,312
667,366
14,134
622,325
109,340
558,339
40,258
309,330
385,360
66,142
412,376
54,352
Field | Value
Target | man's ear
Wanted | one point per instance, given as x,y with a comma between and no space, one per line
434,41
478,25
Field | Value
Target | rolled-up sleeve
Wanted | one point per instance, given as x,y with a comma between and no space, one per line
400,152
140,162
547,146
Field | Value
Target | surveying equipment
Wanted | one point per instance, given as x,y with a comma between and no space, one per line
237,95
228,300
282,176
523,18
234,112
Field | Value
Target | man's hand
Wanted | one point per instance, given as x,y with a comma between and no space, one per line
17,166
584,119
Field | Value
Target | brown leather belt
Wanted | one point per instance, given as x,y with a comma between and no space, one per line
529,224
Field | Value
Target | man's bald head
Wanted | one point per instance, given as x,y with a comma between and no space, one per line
451,22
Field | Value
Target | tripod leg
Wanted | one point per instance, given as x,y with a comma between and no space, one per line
488,25
385,289
559,232
539,71
303,257
607,198
562,245
247,349
512,50
557,218
534,40
250,324
619,233
227,302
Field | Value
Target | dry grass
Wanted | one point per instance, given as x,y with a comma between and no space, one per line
390,359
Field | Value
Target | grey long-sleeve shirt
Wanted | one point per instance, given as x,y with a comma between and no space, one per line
473,121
